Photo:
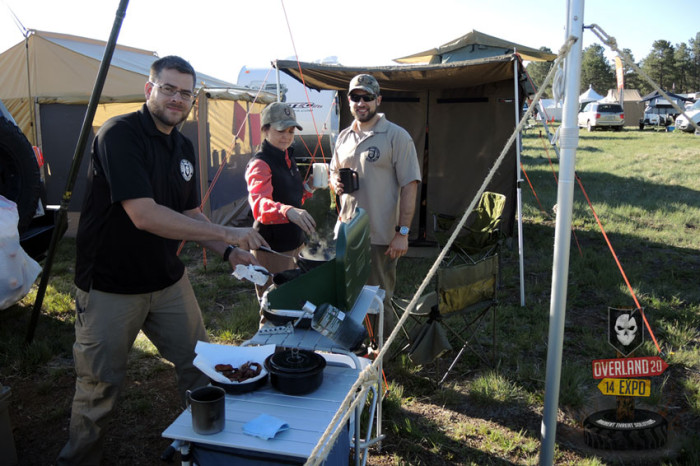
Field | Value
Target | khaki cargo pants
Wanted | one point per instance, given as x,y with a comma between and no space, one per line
106,326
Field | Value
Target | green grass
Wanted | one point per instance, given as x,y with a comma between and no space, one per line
644,188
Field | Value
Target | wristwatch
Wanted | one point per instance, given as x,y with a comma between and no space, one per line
228,251
402,230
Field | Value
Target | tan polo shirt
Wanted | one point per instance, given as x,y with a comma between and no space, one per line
385,160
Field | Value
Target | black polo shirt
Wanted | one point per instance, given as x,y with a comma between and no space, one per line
131,159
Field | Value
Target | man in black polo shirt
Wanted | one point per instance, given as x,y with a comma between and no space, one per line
141,201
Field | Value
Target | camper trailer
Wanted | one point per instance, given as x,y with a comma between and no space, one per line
316,111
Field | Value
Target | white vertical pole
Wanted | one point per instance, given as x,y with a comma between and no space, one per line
519,199
279,87
562,236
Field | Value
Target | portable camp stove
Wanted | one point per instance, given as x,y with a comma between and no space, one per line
338,282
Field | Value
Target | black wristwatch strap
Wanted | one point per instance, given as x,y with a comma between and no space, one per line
228,251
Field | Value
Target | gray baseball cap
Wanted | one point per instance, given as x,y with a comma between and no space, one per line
279,116
366,83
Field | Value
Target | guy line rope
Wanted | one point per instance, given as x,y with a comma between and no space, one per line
365,377
612,43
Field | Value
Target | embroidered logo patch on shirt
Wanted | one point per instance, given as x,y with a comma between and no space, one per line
186,169
373,154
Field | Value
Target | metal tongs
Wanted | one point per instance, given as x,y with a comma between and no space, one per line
272,251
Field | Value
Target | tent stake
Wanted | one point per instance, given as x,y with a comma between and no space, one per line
75,166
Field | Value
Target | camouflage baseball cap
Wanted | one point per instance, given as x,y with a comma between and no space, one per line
279,116
366,83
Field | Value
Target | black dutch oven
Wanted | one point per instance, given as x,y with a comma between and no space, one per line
295,371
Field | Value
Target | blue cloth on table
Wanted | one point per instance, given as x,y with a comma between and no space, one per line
265,426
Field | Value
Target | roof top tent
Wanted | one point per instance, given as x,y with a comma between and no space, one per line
316,111
50,102
656,98
474,45
467,110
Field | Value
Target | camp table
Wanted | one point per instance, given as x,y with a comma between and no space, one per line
308,416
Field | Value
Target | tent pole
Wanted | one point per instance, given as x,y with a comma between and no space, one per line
205,158
75,166
279,87
519,192
562,236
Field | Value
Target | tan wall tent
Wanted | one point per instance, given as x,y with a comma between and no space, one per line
46,82
460,116
631,103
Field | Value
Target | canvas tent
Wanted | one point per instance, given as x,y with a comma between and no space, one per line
46,82
552,110
474,45
590,95
631,103
460,116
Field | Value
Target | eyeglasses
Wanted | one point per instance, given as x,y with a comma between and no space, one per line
364,97
170,91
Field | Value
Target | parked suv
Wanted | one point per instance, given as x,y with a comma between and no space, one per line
601,115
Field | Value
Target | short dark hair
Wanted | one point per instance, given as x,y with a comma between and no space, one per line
172,62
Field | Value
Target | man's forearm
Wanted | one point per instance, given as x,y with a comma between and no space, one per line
216,246
159,220
407,203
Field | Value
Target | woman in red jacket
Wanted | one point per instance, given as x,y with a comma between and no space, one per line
276,192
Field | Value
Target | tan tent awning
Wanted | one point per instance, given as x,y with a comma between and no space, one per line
406,78
476,38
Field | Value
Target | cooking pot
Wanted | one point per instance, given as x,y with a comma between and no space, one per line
306,261
285,276
295,371
306,264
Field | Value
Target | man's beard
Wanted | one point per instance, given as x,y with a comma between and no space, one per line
160,112
363,119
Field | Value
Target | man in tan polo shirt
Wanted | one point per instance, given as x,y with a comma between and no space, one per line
384,157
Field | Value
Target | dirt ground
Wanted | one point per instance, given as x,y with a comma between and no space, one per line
40,411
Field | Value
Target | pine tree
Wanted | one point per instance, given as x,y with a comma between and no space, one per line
538,70
659,65
595,70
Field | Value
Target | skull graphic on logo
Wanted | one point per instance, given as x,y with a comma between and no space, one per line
625,328
625,331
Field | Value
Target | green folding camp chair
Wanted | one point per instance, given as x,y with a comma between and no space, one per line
466,288
481,237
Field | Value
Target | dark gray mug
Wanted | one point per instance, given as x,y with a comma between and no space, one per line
350,180
208,408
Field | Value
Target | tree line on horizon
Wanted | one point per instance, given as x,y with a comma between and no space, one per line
675,69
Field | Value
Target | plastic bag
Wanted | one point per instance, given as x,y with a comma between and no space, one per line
17,270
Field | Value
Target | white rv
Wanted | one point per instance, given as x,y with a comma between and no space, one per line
316,111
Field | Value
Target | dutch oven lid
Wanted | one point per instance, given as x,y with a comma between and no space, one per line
295,361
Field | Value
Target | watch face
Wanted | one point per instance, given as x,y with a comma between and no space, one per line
403,230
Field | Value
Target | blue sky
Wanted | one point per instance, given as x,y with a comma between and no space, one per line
219,37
